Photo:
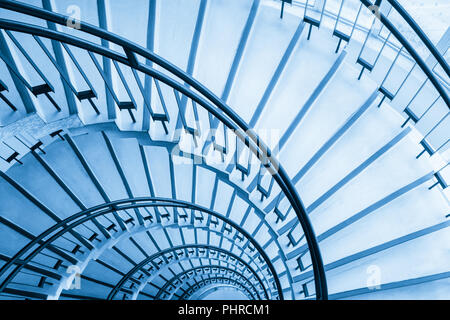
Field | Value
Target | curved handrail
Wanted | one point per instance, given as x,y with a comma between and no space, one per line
140,265
81,217
405,43
405,15
413,52
139,289
243,131
211,266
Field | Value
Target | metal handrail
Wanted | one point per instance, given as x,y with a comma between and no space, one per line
100,210
139,266
218,279
415,55
405,15
241,129
409,47
176,277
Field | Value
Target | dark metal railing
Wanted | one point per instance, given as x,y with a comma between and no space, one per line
374,8
169,285
46,238
188,87
388,18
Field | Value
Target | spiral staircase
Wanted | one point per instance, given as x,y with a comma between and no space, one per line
231,149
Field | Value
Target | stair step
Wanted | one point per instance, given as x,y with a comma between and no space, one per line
261,62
